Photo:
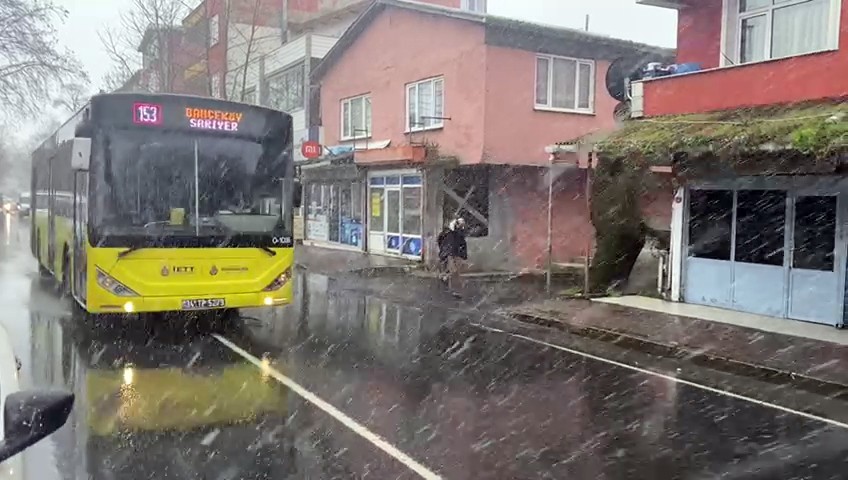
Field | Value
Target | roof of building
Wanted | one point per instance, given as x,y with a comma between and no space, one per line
809,131
503,32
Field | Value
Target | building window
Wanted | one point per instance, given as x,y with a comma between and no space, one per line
764,29
710,224
478,6
155,81
249,96
466,195
565,84
425,102
285,89
216,86
214,31
356,118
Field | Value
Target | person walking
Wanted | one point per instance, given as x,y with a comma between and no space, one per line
453,252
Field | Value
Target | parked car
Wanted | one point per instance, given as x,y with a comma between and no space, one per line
24,204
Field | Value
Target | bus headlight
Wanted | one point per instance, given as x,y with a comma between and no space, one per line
111,285
278,282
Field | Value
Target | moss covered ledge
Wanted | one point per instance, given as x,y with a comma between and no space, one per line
812,129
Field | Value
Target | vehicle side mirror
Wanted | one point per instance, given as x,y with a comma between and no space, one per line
30,416
81,153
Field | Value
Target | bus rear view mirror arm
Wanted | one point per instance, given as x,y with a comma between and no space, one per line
29,416
81,153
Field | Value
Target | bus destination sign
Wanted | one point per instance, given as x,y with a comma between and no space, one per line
210,119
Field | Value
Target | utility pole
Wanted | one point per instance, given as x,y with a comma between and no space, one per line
586,27
550,225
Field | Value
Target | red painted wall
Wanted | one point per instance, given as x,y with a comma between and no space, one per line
807,77
526,195
517,133
379,65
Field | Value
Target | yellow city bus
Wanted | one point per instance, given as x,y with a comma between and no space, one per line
158,203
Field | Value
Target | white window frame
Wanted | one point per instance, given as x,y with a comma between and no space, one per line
356,135
436,123
476,6
249,96
549,106
731,31
214,30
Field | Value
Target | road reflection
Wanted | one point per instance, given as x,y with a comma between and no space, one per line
481,405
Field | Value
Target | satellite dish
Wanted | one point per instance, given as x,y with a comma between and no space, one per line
627,69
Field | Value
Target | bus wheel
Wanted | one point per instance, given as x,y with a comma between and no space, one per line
42,270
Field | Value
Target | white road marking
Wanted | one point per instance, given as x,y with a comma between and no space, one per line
350,423
670,378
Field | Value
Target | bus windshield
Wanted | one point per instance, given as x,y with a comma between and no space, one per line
155,183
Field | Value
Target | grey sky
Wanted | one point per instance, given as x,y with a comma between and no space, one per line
619,18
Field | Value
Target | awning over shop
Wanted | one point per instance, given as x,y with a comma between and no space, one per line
330,168
780,139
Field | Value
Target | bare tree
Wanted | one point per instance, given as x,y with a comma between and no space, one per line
31,66
72,97
152,22
245,23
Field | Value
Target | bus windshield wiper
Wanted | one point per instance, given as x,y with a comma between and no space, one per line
268,251
128,251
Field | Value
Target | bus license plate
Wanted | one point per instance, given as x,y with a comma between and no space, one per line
201,303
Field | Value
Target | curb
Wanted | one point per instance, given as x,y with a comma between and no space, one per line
364,271
760,372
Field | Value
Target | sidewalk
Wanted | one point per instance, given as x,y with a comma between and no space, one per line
813,365
329,261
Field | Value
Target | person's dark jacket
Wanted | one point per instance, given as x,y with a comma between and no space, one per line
452,244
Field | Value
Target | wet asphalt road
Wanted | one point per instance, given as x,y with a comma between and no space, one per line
382,391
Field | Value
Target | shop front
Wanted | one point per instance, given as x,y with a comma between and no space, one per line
395,200
334,205
767,245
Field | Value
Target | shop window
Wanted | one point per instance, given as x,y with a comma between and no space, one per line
467,196
411,210
393,211
760,226
710,222
376,198
815,233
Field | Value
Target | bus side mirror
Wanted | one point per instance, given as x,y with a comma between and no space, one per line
298,194
81,153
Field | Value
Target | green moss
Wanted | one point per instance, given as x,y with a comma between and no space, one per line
815,129
617,187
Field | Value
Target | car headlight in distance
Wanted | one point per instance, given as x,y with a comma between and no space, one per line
278,282
110,284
